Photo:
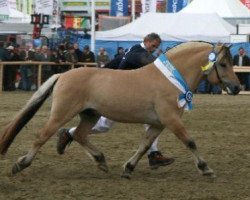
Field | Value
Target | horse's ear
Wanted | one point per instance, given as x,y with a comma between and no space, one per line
229,45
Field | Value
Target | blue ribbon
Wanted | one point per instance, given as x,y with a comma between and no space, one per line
188,95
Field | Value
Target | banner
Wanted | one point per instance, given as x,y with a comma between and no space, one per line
3,4
76,22
174,6
44,7
84,5
246,3
25,6
12,4
55,20
29,7
4,10
148,5
119,8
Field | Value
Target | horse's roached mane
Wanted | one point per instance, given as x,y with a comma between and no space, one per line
184,44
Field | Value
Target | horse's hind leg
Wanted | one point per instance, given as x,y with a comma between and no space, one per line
88,120
176,125
49,129
151,134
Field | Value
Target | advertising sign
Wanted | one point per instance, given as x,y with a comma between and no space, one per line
174,6
119,8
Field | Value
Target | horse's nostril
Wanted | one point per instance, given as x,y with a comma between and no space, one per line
237,89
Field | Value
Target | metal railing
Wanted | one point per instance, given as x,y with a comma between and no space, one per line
39,66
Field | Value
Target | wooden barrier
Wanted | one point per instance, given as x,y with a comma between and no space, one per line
39,66
237,69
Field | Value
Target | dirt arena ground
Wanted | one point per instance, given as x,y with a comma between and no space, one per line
219,124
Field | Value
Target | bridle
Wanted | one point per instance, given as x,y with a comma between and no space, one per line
213,64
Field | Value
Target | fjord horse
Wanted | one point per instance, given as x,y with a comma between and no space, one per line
142,96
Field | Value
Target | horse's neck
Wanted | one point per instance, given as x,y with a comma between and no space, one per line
189,63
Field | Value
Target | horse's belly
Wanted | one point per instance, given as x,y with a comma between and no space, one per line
129,114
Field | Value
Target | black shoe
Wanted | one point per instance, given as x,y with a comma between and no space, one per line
156,159
64,139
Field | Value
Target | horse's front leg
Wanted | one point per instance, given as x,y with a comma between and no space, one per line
176,125
151,134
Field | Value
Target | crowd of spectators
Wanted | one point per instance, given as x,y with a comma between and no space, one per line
24,77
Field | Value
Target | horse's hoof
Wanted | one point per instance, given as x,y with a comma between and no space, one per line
103,167
20,165
209,173
15,169
126,175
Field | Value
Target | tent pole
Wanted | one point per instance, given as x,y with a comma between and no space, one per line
133,10
92,42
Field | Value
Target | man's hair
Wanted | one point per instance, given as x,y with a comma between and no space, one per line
152,36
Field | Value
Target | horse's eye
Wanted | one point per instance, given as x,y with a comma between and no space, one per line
223,65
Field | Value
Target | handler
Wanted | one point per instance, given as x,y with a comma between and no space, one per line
137,56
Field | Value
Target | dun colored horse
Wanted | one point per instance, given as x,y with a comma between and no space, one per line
150,95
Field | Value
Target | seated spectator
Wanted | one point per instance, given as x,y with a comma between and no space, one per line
77,51
102,57
87,55
120,52
71,56
114,63
241,59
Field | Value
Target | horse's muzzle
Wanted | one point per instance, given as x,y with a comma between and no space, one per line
233,89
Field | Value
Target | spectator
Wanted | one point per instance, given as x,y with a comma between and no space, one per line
114,63
16,57
61,52
86,35
27,70
102,57
77,51
9,77
43,55
87,55
71,55
2,51
241,59
120,52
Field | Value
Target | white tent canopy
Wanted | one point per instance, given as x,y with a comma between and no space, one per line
14,15
224,8
173,27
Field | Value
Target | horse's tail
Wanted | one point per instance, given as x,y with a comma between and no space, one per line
15,126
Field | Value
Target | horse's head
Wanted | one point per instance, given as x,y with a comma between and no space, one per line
222,72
